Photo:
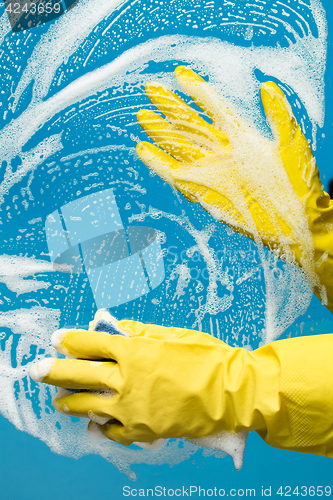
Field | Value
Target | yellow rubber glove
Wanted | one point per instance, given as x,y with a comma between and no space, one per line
268,190
170,382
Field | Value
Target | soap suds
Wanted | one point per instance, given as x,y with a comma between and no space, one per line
99,94
56,340
97,419
14,270
232,444
39,371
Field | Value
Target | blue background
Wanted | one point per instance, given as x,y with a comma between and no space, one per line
29,470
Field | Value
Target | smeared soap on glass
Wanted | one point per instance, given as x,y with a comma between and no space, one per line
68,128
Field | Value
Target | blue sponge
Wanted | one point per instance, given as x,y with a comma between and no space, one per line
104,326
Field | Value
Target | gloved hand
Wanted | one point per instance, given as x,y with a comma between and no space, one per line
268,190
170,382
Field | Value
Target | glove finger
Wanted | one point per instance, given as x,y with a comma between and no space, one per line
138,329
296,152
214,202
77,374
158,332
259,215
186,191
163,164
223,209
93,345
279,113
208,100
114,431
171,171
268,223
97,407
167,168
82,343
169,138
159,161
185,118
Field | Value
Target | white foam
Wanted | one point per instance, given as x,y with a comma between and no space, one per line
102,314
288,296
50,52
30,160
154,445
232,444
97,419
94,431
62,393
14,269
42,369
57,338
301,66
34,326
